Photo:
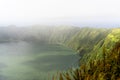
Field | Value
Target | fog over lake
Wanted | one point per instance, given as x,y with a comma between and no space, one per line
28,61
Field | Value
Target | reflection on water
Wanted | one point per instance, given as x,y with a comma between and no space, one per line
26,61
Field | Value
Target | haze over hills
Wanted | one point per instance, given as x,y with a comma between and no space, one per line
79,38
88,42
83,40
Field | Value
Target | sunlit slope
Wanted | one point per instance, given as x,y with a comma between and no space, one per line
107,68
106,43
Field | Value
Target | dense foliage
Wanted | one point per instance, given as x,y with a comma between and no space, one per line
107,68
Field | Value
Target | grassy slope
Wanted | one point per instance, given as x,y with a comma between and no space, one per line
107,68
90,41
86,38
101,59
82,40
107,43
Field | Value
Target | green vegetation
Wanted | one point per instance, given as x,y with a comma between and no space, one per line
106,42
95,46
107,68
101,58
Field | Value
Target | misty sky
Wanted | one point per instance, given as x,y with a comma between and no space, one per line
67,12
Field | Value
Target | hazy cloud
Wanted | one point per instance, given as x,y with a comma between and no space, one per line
45,11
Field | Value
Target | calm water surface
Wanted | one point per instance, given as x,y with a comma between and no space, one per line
26,61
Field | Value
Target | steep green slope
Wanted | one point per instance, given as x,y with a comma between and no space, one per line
108,42
101,60
85,40
107,68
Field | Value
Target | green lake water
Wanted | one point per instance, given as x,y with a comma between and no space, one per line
26,61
